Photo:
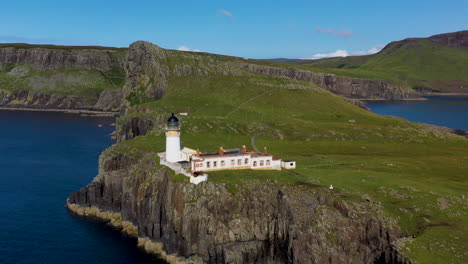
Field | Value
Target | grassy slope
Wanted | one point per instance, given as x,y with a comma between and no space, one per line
88,83
78,82
418,63
404,167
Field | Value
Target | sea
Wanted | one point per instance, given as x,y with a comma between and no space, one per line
449,112
44,156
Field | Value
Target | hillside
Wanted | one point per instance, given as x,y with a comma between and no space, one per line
62,77
434,64
399,186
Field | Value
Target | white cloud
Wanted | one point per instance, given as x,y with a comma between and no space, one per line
343,34
338,53
225,13
344,53
185,48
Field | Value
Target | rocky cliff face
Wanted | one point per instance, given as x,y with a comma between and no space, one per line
109,100
146,72
20,99
258,223
149,67
54,58
56,77
342,85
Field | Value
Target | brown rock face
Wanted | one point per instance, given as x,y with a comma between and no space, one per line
342,85
29,99
146,72
259,223
456,39
47,58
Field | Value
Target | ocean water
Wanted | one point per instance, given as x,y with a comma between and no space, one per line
43,158
449,112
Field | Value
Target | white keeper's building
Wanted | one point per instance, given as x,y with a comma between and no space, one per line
194,164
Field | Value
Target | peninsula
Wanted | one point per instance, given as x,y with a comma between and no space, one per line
398,191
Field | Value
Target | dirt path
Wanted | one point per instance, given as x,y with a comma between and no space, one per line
245,102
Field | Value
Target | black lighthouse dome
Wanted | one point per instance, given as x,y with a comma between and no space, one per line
172,122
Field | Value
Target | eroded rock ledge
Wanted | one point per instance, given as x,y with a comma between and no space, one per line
253,223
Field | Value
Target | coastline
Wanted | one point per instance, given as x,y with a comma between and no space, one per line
128,228
422,97
83,112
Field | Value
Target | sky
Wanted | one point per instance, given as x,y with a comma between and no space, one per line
254,29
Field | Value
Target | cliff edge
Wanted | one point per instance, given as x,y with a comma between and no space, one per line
258,223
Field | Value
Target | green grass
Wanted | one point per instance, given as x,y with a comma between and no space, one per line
401,165
78,82
419,63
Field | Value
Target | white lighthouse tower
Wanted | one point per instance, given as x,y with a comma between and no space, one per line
173,153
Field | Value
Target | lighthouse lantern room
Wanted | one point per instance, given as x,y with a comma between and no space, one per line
173,153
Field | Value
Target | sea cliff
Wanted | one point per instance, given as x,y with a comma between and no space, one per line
259,223
61,77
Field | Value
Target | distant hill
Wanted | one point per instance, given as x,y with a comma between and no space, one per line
435,64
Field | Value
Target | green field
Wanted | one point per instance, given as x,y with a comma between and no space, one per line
416,174
419,63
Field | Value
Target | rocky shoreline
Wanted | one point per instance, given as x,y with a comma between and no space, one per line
262,222
128,228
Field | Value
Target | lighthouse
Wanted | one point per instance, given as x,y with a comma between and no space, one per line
173,153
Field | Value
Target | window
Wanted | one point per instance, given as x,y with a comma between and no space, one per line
222,163
255,164
215,164
246,161
233,162
207,164
291,164
268,163
261,163
239,162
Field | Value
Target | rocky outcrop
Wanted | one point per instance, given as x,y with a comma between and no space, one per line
258,223
455,39
146,72
20,99
133,126
61,57
109,100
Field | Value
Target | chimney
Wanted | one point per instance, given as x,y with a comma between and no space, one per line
265,151
221,151
244,149
198,152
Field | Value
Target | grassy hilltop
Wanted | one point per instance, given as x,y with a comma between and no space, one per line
416,174
437,63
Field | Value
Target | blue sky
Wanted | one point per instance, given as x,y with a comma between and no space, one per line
255,29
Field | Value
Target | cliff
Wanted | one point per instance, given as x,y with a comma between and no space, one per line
56,57
258,223
149,68
358,88
433,64
60,77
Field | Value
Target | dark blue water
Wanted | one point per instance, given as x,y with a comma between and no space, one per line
43,158
450,112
